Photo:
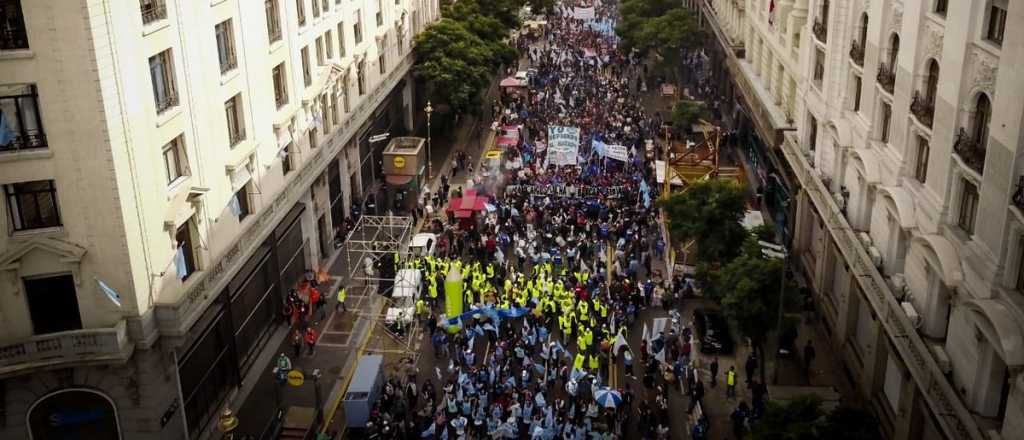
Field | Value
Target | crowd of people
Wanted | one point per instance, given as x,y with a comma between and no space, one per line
556,271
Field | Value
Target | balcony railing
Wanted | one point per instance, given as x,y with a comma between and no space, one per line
153,11
228,64
76,346
166,103
945,403
820,31
886,77
971,152
922,109
176,315
857,53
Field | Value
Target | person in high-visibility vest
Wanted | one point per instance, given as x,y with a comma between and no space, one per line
594,363
342,293
730,382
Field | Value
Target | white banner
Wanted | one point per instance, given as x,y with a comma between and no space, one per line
563,145
586,13
617,152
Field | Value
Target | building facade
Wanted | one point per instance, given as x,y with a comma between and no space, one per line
170,169
909,208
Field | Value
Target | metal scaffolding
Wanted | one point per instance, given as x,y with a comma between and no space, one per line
373,237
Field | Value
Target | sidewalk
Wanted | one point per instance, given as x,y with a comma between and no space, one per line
260,397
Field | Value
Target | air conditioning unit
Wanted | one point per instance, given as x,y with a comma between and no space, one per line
897,282
864,238
876,256
912,315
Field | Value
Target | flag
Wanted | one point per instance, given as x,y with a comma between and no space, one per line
179,262
7,135
646,334
235,206
111,293
620,341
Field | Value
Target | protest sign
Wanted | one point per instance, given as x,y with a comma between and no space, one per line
563,145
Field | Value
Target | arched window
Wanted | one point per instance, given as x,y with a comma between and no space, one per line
894,50
863,29
932,82
982,115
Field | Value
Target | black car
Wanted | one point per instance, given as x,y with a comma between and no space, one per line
712,332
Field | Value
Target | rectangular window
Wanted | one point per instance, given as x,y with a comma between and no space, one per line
921,161
329,42
857,84
241,203
361,78
344,93
286,159
326,5
175,160
316,8
53,304
280,86
812,136
161,72
32,205
320,51
300,11
152,10
312,137
968,206
885,122
334,105
19,115
996,28
307,77
325,113
357,27
235,120
382,61
225,46
186,253
273,21
941,6
380,13
341,40
1020,264
819,66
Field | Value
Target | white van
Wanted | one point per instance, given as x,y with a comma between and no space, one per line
423,244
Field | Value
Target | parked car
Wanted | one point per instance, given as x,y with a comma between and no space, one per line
712,332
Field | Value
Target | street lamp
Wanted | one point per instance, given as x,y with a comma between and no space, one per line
430,166
771,250
227,424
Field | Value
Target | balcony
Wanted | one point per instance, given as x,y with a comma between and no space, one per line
152,11
886,77
857,53
167,102
930,380
21,122
971,152
820,31
922,109
94,345
12,27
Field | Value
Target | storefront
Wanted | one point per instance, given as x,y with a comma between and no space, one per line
74,413
230,333
404,171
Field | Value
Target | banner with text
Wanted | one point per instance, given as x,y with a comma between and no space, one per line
586,13
563,145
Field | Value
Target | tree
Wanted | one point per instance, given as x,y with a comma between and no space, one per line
658,26
803,419
687,113
709,212
796,419
455,61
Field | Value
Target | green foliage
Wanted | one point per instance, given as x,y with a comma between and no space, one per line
748,289
709,212
459,54
803,419
658,25
687,113
542,7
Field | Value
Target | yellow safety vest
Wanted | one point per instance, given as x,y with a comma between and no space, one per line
730,378
578,362
342,294
594,363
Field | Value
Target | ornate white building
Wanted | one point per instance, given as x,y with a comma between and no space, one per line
170,168
908,221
